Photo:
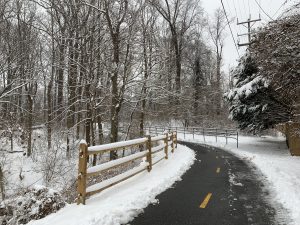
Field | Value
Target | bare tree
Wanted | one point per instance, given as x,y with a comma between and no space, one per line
217,33
119,19
180,15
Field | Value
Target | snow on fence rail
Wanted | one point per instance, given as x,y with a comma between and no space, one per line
169,140
216,132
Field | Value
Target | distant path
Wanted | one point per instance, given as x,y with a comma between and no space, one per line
205,196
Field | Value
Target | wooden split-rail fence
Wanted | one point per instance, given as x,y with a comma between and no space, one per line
152,145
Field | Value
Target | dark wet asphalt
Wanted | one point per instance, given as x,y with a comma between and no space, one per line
241,201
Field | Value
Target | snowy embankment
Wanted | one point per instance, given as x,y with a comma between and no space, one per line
271,156
121,203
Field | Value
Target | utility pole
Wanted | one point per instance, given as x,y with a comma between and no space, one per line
249,26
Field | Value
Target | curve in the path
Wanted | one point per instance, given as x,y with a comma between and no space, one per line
219,189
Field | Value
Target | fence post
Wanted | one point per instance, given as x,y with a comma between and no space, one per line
184,132
172,142
149,155
203,134
166,147
193,133
81,188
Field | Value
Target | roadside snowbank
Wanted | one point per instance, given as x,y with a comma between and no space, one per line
121,203
271,156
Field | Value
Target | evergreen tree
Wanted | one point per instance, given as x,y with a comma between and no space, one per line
253,102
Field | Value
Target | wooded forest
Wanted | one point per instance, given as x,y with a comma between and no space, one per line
104,71
77,68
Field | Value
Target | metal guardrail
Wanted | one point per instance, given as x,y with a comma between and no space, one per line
205,132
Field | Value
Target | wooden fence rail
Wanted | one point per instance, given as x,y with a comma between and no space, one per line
205,132
152,145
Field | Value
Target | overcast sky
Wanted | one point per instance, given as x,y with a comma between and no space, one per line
241,9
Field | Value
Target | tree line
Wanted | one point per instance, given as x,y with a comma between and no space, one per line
83,67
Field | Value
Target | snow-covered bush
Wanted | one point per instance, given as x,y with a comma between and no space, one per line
54,166
34,204
277,53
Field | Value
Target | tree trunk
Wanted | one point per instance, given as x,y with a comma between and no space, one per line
73,58
29,124
12,140
49,93
218,86
177,49
49,112
93,141
116,98
115,106
178,75
60,78
198,79
100,129
6,106
80,92
114,120
2,184
88,120
144,88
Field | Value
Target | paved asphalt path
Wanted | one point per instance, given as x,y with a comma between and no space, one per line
241,203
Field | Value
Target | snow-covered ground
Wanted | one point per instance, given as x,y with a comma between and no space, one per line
50,168
121,203
271,156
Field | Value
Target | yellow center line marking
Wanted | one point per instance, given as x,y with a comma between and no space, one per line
205,201
218,170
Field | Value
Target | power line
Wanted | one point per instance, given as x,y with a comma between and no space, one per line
259,5
228,7
238,28
230,29
237,16
280,7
